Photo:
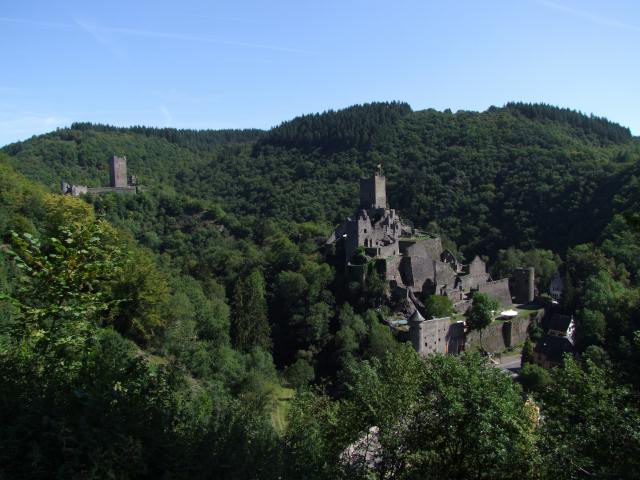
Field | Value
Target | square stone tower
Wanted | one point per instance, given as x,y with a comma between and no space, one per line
373,192
118,171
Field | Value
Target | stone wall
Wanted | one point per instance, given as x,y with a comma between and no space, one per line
392,268
499,336
467,282
477,266
437,335
101,190
421,270
494,338
427,247
498,289
373,192
118,171
524,285
444,274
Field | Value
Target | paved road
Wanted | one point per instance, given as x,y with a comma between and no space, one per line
510,364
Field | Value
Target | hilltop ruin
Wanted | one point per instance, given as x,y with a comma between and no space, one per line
416,265
118,181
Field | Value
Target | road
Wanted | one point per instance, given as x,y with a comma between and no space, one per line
510,364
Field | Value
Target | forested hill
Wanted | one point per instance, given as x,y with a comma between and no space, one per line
194,330
524,174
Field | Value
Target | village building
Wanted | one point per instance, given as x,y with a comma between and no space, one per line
558,341
556,287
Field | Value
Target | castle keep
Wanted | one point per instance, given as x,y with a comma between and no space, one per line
118,172
118,181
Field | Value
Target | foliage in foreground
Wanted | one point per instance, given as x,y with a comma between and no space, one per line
404,417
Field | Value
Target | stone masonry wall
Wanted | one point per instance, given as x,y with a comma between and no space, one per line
498,289
437,335
501,335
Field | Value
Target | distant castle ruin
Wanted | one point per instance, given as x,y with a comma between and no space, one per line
118,181
415,264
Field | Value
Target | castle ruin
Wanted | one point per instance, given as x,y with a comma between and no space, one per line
118,172
415,265
118,181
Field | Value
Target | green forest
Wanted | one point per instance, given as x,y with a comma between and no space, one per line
197,330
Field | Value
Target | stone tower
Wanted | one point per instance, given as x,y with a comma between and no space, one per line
417,333
524,284
373,192
118,172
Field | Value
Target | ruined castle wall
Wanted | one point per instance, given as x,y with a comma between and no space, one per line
385,251
477,266
444,336
430,248
392,272
498,289
520,327
437,335
473,280
456,338
460,305
422,270
416,270
100,190
502,335
380,191
524,285
444,274
495,338
406,272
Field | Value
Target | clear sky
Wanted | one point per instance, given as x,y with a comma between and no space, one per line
236,64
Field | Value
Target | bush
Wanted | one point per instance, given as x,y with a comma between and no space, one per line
534,378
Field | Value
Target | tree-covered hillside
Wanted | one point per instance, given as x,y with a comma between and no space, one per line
523,175
195,329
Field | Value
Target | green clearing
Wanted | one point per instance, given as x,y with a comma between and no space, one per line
281,396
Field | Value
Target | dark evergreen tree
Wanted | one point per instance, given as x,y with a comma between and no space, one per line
249,322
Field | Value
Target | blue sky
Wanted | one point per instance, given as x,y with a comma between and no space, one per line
236,64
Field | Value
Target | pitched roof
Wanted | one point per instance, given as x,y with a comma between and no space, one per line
416,317
560,323
553,348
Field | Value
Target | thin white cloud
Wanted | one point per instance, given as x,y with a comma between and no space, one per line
193,38
99,37
590,16
221,19
97,30
36,23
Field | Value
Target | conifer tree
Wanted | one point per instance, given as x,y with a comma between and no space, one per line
249,323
